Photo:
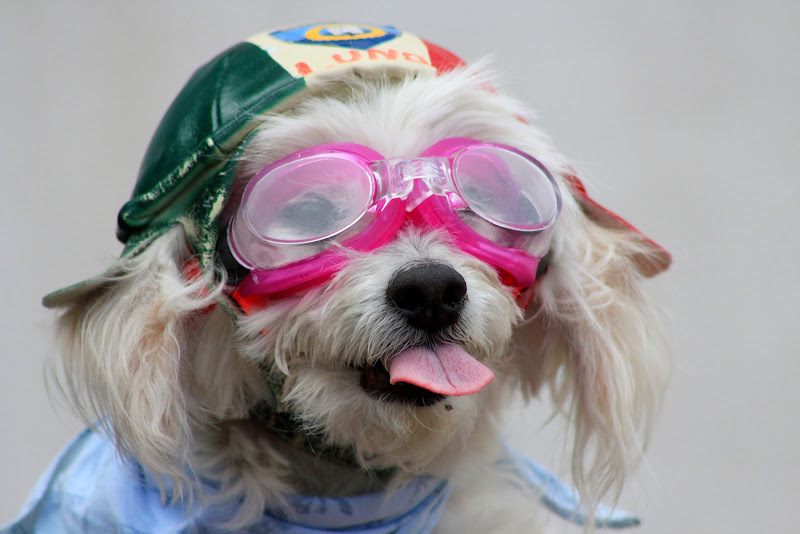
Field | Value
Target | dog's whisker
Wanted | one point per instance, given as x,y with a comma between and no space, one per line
416,418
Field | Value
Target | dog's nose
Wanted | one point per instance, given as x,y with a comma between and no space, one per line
430,296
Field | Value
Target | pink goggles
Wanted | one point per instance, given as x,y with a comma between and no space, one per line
297,214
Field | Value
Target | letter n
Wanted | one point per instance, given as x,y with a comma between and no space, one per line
355,55
373,53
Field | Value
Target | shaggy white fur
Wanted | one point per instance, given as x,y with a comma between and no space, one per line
174,377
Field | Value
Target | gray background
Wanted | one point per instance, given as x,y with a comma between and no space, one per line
685,115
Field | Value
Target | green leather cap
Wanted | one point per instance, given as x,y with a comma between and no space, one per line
189,167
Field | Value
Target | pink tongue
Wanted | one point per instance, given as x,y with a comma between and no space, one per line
447,370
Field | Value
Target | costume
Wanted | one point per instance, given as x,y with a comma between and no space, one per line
88,488
185,179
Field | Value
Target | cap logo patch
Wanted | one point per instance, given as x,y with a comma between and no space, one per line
311,51
343,35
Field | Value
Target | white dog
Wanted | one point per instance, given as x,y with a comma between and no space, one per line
366,386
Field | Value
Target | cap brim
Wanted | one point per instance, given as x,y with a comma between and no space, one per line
75,293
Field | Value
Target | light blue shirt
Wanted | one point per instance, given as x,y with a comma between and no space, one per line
89,489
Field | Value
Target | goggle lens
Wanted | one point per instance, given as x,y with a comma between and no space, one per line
308,200
506,188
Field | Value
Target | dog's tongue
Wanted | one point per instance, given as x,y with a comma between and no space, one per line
447,370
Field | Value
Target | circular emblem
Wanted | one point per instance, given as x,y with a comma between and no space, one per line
342,32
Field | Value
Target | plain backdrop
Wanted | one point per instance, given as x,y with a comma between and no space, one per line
684,117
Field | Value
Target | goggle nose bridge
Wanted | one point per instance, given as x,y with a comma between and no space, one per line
412,179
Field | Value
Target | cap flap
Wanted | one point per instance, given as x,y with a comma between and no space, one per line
655,261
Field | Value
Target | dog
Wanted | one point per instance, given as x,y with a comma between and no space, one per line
234,382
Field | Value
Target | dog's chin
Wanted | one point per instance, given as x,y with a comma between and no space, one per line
399,425
375,381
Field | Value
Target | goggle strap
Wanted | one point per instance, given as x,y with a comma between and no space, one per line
191,272
235,271
249,304
312,271
524,296
514,266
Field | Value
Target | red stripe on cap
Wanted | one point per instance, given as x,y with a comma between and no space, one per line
442,59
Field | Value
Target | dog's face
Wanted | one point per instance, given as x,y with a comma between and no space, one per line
170,371
420,296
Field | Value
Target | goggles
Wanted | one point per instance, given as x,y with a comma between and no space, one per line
299,213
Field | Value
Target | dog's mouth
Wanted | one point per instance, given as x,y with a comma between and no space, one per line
423,376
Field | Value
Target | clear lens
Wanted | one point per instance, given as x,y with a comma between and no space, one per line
308,200
506,188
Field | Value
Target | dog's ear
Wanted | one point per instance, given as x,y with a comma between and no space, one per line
594,337
121,355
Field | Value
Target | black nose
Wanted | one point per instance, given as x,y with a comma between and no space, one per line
430,296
